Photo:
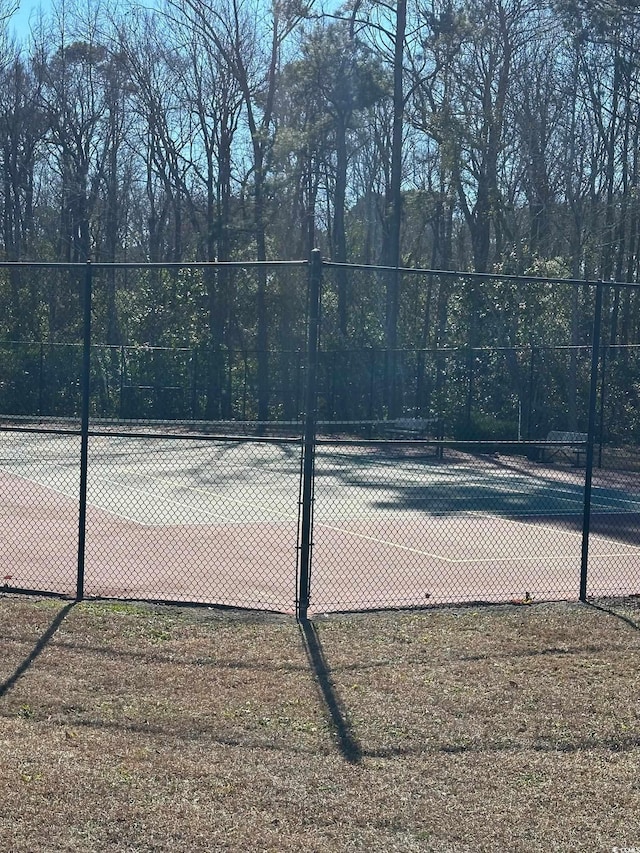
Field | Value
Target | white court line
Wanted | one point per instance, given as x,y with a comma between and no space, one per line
285,516
442,559
575,534
164,500
75,497
243,502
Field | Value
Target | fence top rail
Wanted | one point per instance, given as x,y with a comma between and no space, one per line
477,276
481,276
100,265
141,349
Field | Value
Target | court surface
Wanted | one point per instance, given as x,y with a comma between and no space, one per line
217,522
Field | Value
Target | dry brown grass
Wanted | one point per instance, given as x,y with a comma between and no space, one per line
131,728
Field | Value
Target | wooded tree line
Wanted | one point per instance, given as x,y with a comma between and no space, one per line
483,135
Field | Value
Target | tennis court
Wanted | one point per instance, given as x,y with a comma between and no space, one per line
489,528
217,521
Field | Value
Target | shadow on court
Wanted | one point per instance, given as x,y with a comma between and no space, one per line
487,485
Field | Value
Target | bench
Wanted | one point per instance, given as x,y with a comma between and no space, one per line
572,445
410,428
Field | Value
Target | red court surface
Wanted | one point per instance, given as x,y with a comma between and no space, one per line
217,522
357,564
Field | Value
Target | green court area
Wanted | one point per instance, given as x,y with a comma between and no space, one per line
154,480
217,519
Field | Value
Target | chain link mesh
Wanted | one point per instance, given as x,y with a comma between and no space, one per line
442,472
40,476
398,526
189,519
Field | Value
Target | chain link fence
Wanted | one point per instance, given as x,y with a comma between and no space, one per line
483,449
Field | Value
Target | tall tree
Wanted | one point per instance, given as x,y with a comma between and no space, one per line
250,37
337,80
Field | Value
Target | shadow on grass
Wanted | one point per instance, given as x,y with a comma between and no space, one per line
347,740
39,647
611,612
419,747
157,658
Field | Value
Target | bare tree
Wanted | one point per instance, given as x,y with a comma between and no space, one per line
250,37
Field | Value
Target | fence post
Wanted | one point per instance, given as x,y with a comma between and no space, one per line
372,386
530,395
309,438
593,393
194,382
84,429
123,377
41,378
603,384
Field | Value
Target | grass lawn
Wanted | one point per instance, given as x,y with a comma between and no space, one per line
136,728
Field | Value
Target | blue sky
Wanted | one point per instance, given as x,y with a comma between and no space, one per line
20,21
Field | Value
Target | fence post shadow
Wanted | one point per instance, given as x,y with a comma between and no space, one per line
39,647
610,612
347,741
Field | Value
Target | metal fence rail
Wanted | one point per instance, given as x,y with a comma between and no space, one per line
426,474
